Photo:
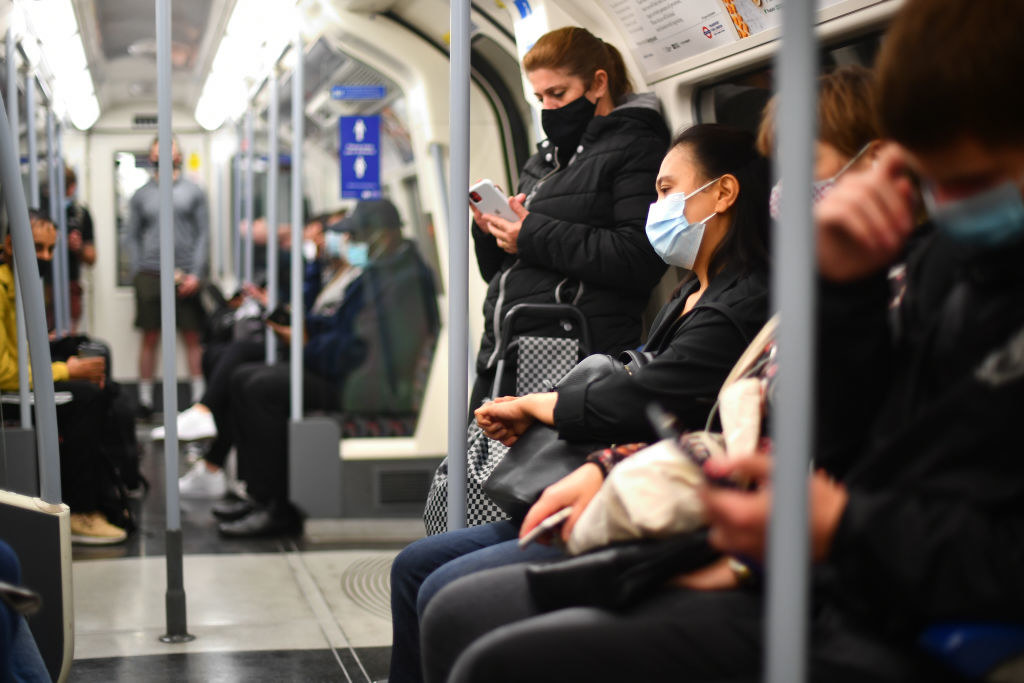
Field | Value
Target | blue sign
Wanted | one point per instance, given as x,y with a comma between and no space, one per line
359,92
524,8
360,156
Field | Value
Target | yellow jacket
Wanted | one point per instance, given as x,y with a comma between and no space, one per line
9,337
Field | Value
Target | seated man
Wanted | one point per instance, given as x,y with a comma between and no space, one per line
391,302
80,422
925,524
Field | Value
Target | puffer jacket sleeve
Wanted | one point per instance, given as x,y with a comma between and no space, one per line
617,256
489,256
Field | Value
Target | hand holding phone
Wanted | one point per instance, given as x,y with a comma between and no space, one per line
281,315
487,199
549,525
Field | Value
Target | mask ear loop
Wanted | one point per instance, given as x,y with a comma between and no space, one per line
846,167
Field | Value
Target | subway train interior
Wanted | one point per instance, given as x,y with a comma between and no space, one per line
315,154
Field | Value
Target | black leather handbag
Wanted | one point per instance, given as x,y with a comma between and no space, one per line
539,458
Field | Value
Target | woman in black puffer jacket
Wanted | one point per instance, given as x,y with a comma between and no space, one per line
583,200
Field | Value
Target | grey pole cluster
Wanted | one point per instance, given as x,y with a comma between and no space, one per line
177,631
249,197
19,309
458,263
298,133
272,168
793,285
63,283
31,292
236,215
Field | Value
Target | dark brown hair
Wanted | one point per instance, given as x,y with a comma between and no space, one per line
847,115
951,69
581,53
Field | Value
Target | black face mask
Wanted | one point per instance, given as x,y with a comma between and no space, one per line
45,268
564,126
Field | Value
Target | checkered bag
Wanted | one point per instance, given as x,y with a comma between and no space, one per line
542,361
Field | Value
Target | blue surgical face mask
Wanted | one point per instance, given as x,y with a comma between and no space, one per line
675,239
358,254
334,244
991,218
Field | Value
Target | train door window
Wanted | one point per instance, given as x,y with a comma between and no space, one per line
740,99
132,170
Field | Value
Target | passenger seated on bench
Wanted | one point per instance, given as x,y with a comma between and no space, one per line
924,524
19,655
327,276
712,219
392,301
79,422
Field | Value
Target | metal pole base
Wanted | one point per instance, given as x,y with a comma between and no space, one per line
177,629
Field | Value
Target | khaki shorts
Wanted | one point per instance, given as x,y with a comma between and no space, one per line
188,312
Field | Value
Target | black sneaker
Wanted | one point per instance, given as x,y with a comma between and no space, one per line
276,519
143,411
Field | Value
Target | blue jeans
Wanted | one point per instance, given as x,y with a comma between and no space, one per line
428,565
19,656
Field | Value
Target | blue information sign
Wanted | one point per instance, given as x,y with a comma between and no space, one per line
359,92
360,156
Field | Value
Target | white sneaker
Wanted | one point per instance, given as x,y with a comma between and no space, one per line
200,482
193,424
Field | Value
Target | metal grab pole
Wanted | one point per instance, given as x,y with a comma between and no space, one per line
272,167
31,295
458,263
56,294
19,310
174,598
298,133
62,224
249,198
236,217
793,286
33,151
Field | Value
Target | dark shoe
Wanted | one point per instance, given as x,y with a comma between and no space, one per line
143,412
231,509
273,520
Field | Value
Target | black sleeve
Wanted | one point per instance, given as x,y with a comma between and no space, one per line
618,256
684,378
489,256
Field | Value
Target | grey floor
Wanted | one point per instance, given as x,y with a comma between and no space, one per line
313,607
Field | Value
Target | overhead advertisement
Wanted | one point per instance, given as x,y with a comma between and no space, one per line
359,153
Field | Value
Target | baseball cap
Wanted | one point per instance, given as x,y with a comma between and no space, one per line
369,214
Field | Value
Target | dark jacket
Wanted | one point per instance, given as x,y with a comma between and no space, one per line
693,354
926,431
584,240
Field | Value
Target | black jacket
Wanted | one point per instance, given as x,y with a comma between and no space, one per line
584,241
926,433
693,355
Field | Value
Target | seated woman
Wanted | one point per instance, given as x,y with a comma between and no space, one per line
711,218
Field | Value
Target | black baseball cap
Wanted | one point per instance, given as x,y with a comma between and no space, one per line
368,215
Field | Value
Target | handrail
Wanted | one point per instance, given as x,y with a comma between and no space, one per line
793,287
272,176
19,309
298,133
31,293
249,198
62,228
458,262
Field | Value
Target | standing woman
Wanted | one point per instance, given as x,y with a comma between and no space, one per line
581,205
579,239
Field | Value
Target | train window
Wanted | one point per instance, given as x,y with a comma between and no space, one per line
132,170
740,99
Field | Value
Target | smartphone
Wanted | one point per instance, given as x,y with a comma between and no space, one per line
488,199
281,315
548,525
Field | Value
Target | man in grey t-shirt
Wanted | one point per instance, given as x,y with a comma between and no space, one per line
191,230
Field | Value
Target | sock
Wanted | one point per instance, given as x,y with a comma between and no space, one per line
198,388
146,392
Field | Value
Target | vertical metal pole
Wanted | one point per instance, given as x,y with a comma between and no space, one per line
62,243
272,168
223,239
793,285
31,293
236,216
19,311
298,133
33,152
175,596
57,293
458,263
249,196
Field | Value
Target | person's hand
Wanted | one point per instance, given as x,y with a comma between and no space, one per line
75,240
863,223
739,519
188,286
258,294
717,576
576,489
505,419
92,369
284,332
506,232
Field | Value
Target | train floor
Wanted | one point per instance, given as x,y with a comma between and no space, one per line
283,609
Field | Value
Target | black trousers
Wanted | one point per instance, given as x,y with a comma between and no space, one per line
219,362
675,635
260,408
